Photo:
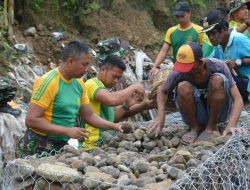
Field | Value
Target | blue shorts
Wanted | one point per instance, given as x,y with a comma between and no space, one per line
202,108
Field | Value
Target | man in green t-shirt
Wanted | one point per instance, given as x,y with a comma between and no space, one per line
112,106
178,35
58,96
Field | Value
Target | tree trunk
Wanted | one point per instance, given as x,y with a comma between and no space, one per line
5,12
11,20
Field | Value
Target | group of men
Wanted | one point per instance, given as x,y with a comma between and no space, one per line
209,90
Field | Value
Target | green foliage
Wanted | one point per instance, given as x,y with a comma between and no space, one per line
92,7
36,5
74,8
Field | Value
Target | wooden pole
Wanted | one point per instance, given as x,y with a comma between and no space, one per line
11,20
5,12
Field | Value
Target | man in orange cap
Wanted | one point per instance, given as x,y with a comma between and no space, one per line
206,95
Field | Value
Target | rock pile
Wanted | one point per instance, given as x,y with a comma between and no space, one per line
127,161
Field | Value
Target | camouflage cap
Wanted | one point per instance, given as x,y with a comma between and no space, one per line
236,4
110,46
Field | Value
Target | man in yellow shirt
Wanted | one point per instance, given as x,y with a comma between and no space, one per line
112,106
178,35
56,99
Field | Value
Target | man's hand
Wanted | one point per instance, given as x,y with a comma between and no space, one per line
78,133
156,127
118,127
139,91
152,72
247,22
232,130
231,64
147,102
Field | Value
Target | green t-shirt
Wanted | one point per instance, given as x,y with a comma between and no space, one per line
106,112
234,24
61,99
207,47
176,37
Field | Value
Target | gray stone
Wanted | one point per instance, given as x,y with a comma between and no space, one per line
124,180
75,164
172,172
141,182
20,170
71,149
130,137
153,171
26,184
192,163
156,150
160,177
97,176
180,174
141,166
63,157
177,159
137,144
114,172
113,159
154,163
166,142
88,159
123,168
81,167
120,150
101,163
97,158
128,158
205,157
138,133
187,155
179,166
128,145
57,173
210,146
113,144
175,141
106,137
111,150
30,31
71,160
146,138
159,143
98,151
159,186
157,158
149,145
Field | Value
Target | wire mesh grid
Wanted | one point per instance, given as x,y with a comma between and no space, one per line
227,169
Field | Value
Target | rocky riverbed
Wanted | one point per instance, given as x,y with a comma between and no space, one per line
128,161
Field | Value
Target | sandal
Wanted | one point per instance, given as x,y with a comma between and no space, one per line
207,136
189,137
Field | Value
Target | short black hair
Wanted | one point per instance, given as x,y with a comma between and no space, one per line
222,25
215,16
224,10
114,61
74,49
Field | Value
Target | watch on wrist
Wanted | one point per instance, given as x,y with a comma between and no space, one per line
238,62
